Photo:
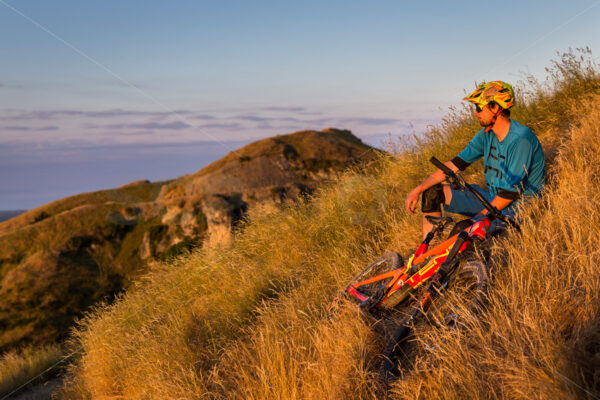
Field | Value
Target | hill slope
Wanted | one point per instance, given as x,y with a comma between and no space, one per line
59,259
249,321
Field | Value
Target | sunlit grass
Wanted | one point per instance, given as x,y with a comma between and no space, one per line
19,367
248,320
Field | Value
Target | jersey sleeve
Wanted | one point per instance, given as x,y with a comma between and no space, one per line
473,152
516,169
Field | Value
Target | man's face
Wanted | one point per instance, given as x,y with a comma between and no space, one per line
486,115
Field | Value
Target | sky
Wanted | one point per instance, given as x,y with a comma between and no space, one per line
96,94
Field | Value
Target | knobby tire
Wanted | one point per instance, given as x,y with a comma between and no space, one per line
406,345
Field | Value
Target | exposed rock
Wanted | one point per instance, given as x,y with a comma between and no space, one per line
268,171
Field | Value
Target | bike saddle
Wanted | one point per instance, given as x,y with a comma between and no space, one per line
439,221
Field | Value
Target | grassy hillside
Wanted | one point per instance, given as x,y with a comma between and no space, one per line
59,259
81,251
249,320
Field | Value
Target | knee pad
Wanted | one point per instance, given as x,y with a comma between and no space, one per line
433,198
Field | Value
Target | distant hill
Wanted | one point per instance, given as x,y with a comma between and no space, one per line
8,214
59,259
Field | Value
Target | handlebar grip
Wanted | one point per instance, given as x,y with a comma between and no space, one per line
441,166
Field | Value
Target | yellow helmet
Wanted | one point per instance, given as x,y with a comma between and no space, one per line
499,92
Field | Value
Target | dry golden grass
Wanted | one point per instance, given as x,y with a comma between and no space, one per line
249,320
19,367
539,337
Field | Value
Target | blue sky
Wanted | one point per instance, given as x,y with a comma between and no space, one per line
95,94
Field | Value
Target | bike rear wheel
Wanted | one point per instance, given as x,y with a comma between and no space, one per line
412,340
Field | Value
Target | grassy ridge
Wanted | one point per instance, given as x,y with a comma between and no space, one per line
50,273
248,321
135,192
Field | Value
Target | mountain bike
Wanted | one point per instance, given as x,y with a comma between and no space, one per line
418,289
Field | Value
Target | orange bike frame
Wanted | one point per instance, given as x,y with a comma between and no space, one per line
436,255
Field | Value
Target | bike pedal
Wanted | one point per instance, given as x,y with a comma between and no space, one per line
451,320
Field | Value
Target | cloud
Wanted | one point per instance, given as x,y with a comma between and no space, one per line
233,125
45,146
256,118
174,125
282,128
297,110
204,117
111,113
343,120
132,133
370,121
285,109
22,128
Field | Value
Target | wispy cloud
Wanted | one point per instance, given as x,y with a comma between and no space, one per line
254,118
141,133
283,109
22,128
174,125
370,121
139,126
281,128
328,120
88,145
233,125
112,113
295,110
204,117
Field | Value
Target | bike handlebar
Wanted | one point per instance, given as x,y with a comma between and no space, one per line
442,166
457,179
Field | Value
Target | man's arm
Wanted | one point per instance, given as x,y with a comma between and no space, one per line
437,177
499,202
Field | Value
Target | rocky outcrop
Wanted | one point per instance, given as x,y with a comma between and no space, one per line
269,171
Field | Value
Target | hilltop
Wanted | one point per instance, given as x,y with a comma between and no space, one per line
58,260
249,320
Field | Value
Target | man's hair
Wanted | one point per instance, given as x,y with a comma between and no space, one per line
505,111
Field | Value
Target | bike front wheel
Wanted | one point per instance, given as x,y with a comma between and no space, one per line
386,263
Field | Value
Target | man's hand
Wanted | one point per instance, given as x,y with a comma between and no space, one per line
437,177
412,199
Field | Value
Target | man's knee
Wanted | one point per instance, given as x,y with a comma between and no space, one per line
433,198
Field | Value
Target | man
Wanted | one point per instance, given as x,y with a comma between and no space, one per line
512,157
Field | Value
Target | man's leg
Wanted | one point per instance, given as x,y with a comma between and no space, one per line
432,201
